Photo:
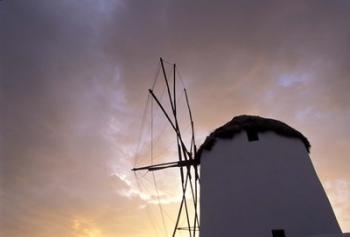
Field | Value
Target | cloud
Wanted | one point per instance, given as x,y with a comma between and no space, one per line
288,80
339,194
74,76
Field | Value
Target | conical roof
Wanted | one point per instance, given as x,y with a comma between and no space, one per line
250,122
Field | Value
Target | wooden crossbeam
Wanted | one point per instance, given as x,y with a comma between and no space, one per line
183,163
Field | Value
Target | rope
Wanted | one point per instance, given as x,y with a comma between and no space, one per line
156,77
149,215
153,175
179,75
143,120
136,157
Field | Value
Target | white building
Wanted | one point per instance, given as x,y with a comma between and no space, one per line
257,180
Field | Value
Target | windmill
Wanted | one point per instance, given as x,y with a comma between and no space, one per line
186,163
257,179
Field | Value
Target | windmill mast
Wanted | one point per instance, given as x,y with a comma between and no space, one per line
186,158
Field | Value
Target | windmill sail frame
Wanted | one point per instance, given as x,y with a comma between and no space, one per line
187,162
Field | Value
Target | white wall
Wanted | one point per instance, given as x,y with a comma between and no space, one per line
250,188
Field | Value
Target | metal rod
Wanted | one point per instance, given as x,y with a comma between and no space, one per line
186,228
174,76
168,118
182,163
162,108
167,84
180,148
186,208
192,126
193,146
181,205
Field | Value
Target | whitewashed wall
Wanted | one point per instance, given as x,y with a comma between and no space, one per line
250,188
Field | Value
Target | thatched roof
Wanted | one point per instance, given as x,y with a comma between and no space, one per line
246,122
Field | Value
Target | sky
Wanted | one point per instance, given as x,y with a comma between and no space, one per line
74,80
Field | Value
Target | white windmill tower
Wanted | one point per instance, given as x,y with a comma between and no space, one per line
257,179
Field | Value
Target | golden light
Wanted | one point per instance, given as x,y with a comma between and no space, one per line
85,228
